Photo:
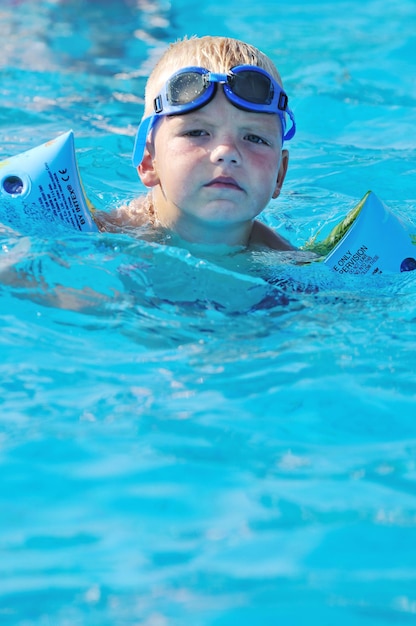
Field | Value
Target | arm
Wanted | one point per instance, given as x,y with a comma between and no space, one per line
262,235
124,217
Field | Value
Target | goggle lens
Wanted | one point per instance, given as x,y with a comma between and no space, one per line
185,88
248,85
252,87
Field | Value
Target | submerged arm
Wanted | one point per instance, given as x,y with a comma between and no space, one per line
262,235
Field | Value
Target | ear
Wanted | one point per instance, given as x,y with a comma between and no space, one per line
146,170
284,163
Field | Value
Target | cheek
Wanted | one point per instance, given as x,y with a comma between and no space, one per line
266,160
175,152
177,169
267,169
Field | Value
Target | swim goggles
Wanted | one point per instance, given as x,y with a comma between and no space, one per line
247,87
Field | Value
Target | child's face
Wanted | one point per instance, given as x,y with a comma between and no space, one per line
214,170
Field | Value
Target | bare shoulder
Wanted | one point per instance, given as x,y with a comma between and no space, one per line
130,215
262,235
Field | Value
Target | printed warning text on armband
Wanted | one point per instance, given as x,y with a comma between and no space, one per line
76,205
358,262
60,199
53,204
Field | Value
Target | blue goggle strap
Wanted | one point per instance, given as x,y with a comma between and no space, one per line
141,138
292,130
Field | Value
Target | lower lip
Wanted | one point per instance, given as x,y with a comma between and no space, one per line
220,185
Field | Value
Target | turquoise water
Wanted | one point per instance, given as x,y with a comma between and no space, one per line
188,440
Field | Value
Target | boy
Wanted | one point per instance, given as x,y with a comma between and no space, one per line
210,145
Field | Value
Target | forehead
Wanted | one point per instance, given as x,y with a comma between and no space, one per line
220,110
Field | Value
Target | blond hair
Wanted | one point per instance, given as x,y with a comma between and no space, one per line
217,54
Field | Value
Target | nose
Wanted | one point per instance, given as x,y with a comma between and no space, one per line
226,152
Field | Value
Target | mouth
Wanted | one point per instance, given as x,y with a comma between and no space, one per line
224,182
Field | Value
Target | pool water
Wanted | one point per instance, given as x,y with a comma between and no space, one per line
189,439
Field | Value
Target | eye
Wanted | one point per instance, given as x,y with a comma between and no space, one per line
198,132
257,139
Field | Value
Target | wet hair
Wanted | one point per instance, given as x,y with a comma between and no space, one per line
218,54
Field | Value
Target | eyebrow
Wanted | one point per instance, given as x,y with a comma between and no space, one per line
200,114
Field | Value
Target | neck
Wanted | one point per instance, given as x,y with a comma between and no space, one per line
200,231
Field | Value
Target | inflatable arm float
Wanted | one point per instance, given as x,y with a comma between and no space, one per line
42,187
370,240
